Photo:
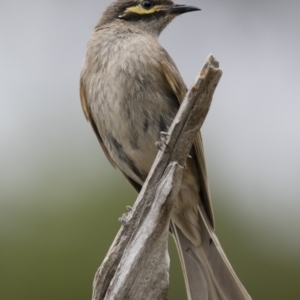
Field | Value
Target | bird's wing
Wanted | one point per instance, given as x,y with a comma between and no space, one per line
206,269
178,86
87,112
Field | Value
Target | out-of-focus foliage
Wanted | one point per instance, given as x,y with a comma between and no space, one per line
52,246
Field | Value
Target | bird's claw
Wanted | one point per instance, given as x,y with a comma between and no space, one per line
162,144
123,219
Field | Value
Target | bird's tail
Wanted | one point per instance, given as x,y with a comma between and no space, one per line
207,272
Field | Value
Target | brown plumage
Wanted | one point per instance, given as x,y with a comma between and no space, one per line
130,91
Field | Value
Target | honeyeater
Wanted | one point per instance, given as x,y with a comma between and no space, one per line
130,92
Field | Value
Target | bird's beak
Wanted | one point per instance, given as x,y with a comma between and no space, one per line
179,9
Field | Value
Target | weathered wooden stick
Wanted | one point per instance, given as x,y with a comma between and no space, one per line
137,264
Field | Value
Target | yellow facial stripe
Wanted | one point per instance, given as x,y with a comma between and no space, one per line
142,11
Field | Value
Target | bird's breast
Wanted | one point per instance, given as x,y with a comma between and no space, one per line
131,103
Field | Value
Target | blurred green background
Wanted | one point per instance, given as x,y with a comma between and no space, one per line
60,199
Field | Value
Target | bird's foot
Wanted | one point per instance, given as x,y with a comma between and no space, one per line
123,220
162,144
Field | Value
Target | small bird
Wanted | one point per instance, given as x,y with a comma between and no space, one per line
130,91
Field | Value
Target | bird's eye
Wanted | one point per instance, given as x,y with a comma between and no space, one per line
147,4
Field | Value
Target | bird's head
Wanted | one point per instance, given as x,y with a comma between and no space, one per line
150,15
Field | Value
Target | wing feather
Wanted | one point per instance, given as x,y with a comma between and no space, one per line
178,86
87,112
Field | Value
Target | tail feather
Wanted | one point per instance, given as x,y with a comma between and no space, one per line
207,272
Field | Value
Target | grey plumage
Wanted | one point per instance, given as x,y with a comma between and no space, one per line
130,92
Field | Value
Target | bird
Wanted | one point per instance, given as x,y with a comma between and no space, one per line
130,91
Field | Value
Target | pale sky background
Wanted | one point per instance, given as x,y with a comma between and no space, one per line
251,135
